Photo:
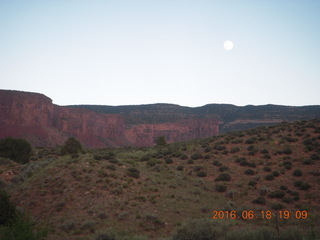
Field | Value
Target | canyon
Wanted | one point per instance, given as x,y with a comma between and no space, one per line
34,117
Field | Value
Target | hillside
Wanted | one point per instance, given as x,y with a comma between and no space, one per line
153,191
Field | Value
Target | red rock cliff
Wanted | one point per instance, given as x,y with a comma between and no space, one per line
33,116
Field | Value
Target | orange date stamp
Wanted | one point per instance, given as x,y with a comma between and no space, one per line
260,214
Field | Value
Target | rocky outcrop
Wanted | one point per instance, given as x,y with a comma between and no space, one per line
34,117
145,134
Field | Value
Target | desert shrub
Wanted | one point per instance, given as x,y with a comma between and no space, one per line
267,169
197,168
249,172
243,163
220,187
198,229
297,173
180,168
223,168
239,160
169,161
22,228
287,200
264,151
314,156
196,156
223,177
261,233
184,156
202,174
71,146
105,236
216,163
275,173
290,139
111,167
284,188
252,183
250,141
133,172
304,186
190,161
259,200
16,225
269,177
145,158
88,225
307,162
234,150
276,194
277,206
151,163
251,164
266,156
18,150
287,150
220,147
7,209
161,141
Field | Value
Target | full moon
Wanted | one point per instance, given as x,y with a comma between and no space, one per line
228,45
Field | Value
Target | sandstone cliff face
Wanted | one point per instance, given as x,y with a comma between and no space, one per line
145,134
33,116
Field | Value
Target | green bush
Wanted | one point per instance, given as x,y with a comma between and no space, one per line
277,206
267,169
15,225
259,200
190,161
161,141
252,183
314,156
169,161
22,228
7,209
216,163
197,168
196,156
284,188
180,168
287,200
223,168
220,187
249,172
276,194
261,233
133,172
234,150
71,146
297,173
202,174
269,177
287,150
223,177
18,150
275,173
200,229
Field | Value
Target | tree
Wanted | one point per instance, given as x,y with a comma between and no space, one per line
71,146
161,141
18,150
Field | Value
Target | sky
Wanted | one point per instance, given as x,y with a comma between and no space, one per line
128,52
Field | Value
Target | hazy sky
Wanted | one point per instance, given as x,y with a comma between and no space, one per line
118,52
